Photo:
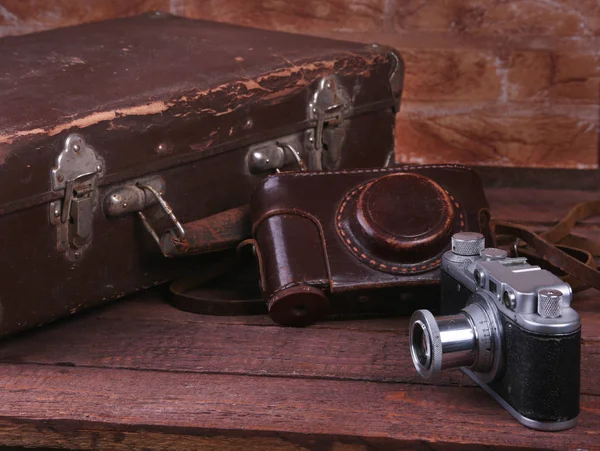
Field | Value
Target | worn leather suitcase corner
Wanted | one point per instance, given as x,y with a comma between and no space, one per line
102,122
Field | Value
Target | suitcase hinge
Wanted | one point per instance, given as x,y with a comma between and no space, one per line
77,171
329,106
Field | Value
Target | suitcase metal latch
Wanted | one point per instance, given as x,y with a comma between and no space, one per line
77,171
275,155
329,105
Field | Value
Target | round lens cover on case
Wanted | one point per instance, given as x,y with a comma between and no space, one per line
399,223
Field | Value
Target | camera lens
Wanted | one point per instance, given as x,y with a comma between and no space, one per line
469,338
421,344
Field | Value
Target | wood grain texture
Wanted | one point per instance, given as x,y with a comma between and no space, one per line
100,437
498,135
214,345
140,374
301,17
215,404
201,344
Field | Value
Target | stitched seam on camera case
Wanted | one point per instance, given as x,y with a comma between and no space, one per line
313,219
381,265
390,170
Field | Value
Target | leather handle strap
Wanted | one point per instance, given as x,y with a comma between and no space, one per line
562,229
218,232
204,292
573,255
579,254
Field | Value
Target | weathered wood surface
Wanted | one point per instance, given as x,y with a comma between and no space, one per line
139,374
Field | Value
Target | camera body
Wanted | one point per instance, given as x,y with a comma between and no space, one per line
344,241
511,328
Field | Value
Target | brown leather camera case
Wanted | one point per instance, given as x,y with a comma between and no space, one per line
320,235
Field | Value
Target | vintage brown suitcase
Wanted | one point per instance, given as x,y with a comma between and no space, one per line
100,121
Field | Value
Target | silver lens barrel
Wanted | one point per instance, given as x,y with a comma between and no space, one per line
468,339
446,342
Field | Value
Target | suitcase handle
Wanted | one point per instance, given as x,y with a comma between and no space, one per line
167,209
214,233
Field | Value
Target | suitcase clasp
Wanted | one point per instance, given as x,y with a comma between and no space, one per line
77,171
329,105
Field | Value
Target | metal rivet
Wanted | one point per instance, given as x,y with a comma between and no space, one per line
76,148
249,123
77,254
56,212
328,85
98,168
60,178
124,205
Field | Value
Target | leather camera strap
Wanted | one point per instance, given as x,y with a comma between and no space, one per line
226,285
570,254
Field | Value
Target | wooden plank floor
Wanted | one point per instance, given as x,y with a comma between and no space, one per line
139,374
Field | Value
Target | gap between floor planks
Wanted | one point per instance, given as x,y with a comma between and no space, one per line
378,331
155,336
200,403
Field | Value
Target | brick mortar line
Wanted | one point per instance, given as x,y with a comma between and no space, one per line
388,16
437,107
177,7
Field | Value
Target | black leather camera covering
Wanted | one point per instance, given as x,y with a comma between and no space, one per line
541,373
540,379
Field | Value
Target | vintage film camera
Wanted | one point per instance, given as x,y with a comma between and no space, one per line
513,332
345,239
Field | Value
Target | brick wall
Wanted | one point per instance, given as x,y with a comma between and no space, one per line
488,81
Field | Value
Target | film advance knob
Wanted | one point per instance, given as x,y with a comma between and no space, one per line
468,243
549,303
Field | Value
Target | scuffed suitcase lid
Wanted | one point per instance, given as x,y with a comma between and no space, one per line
171,87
